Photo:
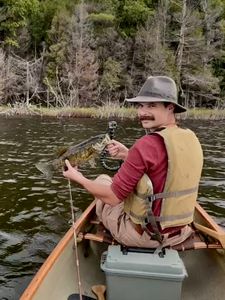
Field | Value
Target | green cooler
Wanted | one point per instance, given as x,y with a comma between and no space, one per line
132,275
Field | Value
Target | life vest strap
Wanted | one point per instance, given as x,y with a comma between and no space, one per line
172,194
152,220
174,217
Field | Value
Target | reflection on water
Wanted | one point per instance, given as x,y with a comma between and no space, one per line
35,213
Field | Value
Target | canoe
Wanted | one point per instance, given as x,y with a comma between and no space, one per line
203,257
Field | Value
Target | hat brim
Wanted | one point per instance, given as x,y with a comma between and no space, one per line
178,108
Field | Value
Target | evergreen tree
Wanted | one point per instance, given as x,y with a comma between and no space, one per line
13,16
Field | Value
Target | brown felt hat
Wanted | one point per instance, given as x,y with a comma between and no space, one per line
159,89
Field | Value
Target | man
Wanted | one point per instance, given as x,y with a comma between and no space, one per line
151,199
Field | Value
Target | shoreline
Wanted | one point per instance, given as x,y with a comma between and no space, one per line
101,112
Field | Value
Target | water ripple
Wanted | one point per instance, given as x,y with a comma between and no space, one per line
35,213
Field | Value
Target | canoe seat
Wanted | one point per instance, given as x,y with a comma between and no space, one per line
196,241
101,234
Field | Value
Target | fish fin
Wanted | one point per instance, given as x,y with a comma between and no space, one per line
61,151
46,168
92,162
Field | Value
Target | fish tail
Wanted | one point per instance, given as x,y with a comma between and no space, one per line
46,169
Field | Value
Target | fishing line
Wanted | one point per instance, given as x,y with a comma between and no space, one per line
75,240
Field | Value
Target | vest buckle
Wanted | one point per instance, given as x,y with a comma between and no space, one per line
152,198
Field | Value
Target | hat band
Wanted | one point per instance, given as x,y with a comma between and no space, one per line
156,95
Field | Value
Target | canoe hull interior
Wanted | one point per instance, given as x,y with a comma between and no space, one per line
206,274
57,278
205,268
62,280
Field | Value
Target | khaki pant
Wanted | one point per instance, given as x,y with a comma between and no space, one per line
119,224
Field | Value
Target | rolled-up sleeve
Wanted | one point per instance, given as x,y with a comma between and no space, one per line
141,159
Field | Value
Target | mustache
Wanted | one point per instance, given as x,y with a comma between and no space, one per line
143,118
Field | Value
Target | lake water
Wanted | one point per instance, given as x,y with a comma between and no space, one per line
35,213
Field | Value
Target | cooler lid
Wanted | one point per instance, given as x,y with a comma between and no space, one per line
144,264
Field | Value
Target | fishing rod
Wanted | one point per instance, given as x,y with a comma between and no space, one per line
75,242
99,290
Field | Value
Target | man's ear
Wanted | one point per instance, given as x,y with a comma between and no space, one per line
171,106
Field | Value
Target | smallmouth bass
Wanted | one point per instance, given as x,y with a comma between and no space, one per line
78,154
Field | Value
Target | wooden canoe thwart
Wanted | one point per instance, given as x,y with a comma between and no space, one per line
57,278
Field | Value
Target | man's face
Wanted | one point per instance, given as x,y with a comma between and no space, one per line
154,114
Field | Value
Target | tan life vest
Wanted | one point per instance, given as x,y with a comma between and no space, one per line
185,161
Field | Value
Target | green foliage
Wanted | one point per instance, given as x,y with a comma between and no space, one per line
111,75
40,21
131,14
106,48
57,40
217,3
106,6
35,15
15,17
219,71
175,6
102,20
222,26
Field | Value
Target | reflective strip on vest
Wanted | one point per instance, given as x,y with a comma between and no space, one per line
172,194
175,217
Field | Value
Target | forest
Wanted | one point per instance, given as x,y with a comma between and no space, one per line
70,53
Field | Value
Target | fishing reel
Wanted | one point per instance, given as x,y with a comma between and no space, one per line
105,160
112,125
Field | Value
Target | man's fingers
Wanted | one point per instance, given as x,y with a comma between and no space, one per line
67,165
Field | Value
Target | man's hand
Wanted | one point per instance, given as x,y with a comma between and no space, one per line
72,173
97,189
117,150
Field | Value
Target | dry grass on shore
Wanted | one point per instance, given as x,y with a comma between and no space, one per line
204,114
107,111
